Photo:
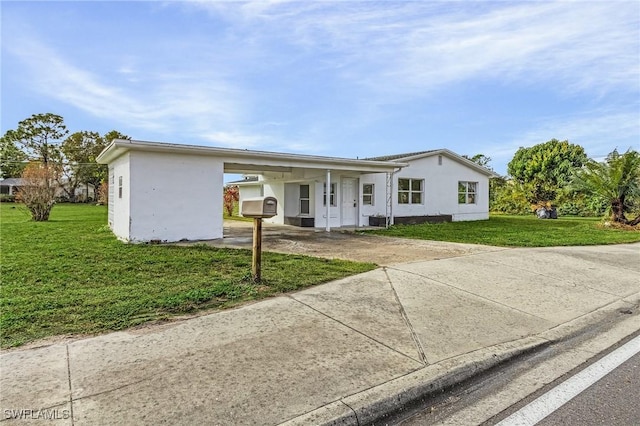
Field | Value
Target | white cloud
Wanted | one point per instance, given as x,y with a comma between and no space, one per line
371,57
191,106
187,102
401,47
258,141
594,130
233,139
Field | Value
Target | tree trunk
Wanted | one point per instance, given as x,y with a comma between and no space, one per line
40,211
635,221
617,211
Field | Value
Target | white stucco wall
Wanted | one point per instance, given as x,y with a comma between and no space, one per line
440,194
248,191
292,199
441,189
379,207
288,196
170,197
276,189
119,205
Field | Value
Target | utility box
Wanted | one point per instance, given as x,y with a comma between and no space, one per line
261,207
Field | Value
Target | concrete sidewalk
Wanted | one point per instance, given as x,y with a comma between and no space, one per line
344,352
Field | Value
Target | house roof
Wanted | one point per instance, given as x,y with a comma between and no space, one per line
11,182
248,161
242,160
246,179
398,156
410,156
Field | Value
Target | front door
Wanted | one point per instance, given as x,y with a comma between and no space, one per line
349,210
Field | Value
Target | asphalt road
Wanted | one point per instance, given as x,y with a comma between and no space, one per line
613,400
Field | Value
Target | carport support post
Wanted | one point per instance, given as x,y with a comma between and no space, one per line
327,200
256,260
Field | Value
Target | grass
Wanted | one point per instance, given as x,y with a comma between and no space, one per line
517,231
236,214
71,276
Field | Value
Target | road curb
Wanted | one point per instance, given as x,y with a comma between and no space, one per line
379,402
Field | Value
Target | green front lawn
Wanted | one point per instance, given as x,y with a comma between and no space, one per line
71,276
517,231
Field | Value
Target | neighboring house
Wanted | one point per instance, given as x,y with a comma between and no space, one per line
10,186
83,192
436,185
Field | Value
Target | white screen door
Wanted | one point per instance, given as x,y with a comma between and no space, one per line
349,202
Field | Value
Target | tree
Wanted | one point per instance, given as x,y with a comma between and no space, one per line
78,150
99,175
37,191
39,136
12,159
481,160
496,184
81,150
508,196
616,180
231,197
545,168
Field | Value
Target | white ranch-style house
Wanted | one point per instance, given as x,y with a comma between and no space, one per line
426,186
171,192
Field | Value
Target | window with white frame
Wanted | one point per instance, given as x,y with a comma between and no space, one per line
332,195
410,191
367,194
304,199
119,186
467,192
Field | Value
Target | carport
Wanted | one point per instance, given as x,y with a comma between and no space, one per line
340,244
170,192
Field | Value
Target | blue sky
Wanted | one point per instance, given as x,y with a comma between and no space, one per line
345,78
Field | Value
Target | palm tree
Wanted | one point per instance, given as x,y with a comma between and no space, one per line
616,180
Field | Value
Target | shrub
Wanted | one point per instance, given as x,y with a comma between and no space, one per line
509,198
103,193
38,190
231,197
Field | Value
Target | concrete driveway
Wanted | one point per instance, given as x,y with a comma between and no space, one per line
343,244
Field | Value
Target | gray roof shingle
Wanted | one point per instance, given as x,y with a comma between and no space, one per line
398,156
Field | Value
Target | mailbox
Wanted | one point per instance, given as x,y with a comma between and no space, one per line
262,207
